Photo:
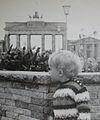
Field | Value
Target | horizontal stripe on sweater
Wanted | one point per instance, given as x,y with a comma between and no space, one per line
64,92
74,84
74,87
64,106
87,110
70,87
82,102
82,108
63,100
70,118
82,97
63,113
84,116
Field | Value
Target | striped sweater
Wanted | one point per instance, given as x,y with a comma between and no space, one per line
71,101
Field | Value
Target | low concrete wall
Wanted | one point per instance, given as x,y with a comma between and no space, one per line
27,95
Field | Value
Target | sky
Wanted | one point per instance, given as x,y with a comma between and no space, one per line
83,18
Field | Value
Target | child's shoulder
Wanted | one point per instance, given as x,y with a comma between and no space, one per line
75,84
78,81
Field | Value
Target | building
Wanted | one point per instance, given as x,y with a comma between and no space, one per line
86,47
35,26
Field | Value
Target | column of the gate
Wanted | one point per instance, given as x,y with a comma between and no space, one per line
43,42
18,41
53,42
7,41
28,42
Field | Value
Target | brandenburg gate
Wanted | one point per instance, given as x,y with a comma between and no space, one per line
35,27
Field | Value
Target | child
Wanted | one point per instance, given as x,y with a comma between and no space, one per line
70,100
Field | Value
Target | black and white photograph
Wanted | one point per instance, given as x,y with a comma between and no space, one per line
49,60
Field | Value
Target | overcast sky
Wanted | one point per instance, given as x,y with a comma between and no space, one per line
83,18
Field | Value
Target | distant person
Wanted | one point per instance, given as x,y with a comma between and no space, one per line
24,51
71,98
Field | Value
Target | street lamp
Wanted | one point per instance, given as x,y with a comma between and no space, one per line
66,12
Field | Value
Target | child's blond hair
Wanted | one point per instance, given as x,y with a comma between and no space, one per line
67,61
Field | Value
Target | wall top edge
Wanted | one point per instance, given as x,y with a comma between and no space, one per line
42,73
43,77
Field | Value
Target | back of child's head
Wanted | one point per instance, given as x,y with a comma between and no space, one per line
67,61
